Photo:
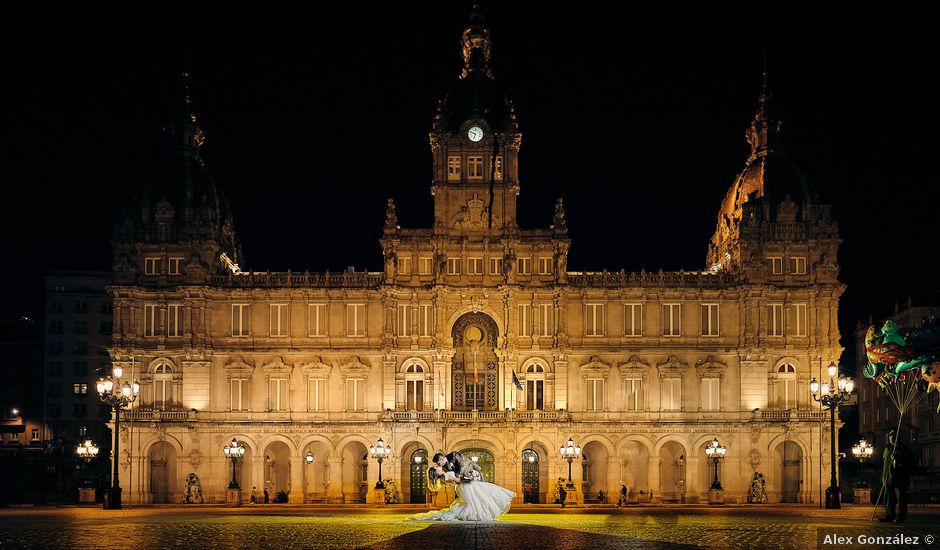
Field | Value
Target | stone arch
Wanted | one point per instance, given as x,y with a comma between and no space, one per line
164,485
271,438
355,466
634,452
491,313
596,453
416,360
413,475
277,452
537,360
475,365
162,360
681,440
534,477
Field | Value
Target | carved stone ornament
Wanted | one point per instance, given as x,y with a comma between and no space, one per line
474,216
316,369
278,368
786,212
671,367
711,367
634,367
355,368
237,368
595,368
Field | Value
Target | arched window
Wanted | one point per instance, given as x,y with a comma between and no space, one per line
786,397
414,387
162,387
535,387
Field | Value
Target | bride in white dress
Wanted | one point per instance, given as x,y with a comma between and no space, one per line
476,500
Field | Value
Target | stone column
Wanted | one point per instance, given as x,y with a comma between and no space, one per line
296,495
334,493
613,476
652,475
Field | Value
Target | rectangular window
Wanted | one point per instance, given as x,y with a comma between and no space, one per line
633,320
709,319
55,368
633,394
499,169
80,327
426,320
34,434
316,394
79,389
546,319
524,265
80,347
316,322
55,327
594,394
354,394
776,265
453,266
79,411
404,265
474,266
786,391
54,389
55,347
80,307
535,395
545,266
278,394
162,393
106,327
55,410
355,320
453,168
174,320
672,320
594,320
80,368
405,317
496,266
55,306
797,265
424,265
150,320
671,394
775,320
153,266
82,431
475,167
710,394
525,323
239,394
414,398
280,320
799,319
173,266
240,313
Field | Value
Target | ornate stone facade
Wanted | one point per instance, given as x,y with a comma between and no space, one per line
476,337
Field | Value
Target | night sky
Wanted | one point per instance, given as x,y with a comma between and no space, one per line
313,118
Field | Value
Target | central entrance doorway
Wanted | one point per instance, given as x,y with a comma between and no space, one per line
475,364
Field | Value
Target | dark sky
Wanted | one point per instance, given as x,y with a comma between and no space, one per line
314,117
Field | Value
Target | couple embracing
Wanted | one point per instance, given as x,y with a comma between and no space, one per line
477,500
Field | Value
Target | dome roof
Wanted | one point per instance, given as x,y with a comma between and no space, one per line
772,178
476,96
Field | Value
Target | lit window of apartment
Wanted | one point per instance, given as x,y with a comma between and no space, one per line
633,319
474,266
355,319
280,320
150,319
545,265
240,319
174,266
316,322
672,319
79,389
496,266
710,320
499,168
153,266
404,265
475,167
174,320
453,168
797,265
775,320
594,319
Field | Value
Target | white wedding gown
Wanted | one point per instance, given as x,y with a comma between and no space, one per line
476,501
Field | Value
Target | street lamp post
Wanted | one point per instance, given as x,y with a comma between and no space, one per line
569,452
86,452
863,451
715,452
380,452
119,396
233,451
830,396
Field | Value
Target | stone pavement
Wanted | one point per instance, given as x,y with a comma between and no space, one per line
387,528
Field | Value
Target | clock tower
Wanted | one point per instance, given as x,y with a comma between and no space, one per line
475,143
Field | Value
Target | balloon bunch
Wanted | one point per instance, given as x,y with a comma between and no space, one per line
906,366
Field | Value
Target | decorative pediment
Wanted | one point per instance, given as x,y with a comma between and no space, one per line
672,367
354,368
595,368
316,369
238,368
278,368
634,367
711,367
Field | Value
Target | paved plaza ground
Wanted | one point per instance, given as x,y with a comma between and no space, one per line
387,528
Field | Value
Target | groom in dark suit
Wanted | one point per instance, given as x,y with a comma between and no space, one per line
463,467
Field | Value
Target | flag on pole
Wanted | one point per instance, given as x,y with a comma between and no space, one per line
516,381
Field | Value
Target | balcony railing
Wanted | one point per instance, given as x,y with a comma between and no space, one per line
289,279
696,279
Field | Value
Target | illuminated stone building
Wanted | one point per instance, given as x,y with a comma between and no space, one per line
642,370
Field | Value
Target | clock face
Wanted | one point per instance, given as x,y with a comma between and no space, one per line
475,133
